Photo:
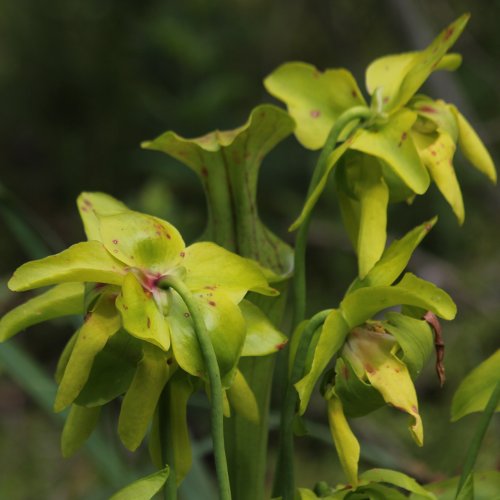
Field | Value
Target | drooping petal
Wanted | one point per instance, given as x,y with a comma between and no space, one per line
331,338
400,76
437,154
84,262
262,337
345,441
473,148
144,488
242,399
78,427
140,314
398,479
212,267
395,258
225,325
142,241
386,373
62,300
392,143
363,303
99,326
314,99
141,399
90,205
112,370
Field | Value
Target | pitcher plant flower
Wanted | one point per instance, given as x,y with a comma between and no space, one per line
138,333
389,151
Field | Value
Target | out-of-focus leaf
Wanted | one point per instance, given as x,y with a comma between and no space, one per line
144,488
475,390
62,300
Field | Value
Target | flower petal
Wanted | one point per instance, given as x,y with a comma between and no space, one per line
261,337
437,155
78,426
140,401
314,99
242,399
363,303
144,488
86,262
331,338
99,326
90,205
62,300
392,143
394,259
225,325
142,241
211,267
473,148
140,314
345,441
400,76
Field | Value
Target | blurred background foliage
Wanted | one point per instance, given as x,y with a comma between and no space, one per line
82,83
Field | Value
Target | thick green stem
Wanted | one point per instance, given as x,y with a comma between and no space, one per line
477,440
167,449
299,282
216,407
284,484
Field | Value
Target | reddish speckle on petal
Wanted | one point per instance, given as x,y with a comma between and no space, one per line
345,372
427,109
385,100
125,307
149,322
414,409
354,93
186,315
168,236
84,209
433,153
369,368
281,346
404,135
315,113
212,303
182,254
87,202
115,242
448,32
87,317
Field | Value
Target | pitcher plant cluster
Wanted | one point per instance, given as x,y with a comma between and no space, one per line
162,320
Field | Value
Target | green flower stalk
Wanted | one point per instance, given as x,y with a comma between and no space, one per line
140,287
390,156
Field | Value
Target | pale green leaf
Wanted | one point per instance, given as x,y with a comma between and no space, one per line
144,488
363,303
395,258
140,314
473,148
62,300
140,401
314,99
209,266
85,262
142,241
79,425
475,390
345,441
331,338
100,324
395,478
242,399
262,337
392,143
90,205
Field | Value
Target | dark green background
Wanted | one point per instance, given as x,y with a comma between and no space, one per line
82,83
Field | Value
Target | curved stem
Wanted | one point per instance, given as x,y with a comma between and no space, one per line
216,408
299,282
284,484
167,452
